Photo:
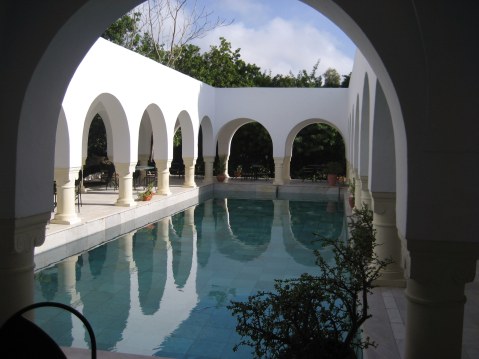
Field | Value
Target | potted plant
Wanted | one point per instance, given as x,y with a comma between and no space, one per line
333,169
221,168
147,194
352,189
238,171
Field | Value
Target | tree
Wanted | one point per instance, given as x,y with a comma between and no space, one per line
97,145
331,78
317,316
159,29
316,144
346,79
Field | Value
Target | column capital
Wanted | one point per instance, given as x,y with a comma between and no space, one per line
28,232
124,169
384,203
442,263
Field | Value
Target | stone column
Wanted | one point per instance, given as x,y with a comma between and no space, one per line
66,211
357,191
278,171
384,221
125,176
209,161
189,172
438,272
365,194
19,237
287,169
163,168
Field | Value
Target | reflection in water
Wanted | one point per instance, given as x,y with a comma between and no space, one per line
96,259
151,266
182,245
205,226
163,289
235,235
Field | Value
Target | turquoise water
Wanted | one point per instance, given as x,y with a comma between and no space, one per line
163,290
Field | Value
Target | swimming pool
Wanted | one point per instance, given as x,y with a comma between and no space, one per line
162,290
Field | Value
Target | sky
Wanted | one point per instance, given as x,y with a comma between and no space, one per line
280,35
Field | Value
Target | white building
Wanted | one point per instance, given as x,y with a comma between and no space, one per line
407,119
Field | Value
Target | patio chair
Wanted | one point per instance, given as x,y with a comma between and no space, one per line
21,338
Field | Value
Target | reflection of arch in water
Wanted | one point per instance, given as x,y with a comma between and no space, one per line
302,221
107,300
204,222
243,228
181,240
150,258
96,260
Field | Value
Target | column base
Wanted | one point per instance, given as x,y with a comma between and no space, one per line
120,203
62,219
189,186
393,283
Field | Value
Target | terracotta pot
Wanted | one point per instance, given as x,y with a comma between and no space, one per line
220,177
332,179
147,198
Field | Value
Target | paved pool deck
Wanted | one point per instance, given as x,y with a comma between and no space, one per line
101,220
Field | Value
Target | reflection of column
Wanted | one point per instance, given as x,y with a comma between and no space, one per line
384,221
207,233
365,194
65,180
183,249
438,272
278,171
189,172
67,274
287,169
19,237
68,294
209,161
125,244
163,168
189,224
125,174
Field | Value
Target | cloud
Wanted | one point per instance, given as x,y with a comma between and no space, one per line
283,45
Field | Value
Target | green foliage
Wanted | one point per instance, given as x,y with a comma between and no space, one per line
251,145
331,78
97,145
316,144
316,316
220,164
146,193
124,31
334,168
352,187
346,79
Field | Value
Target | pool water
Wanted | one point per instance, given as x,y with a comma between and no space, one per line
162,290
